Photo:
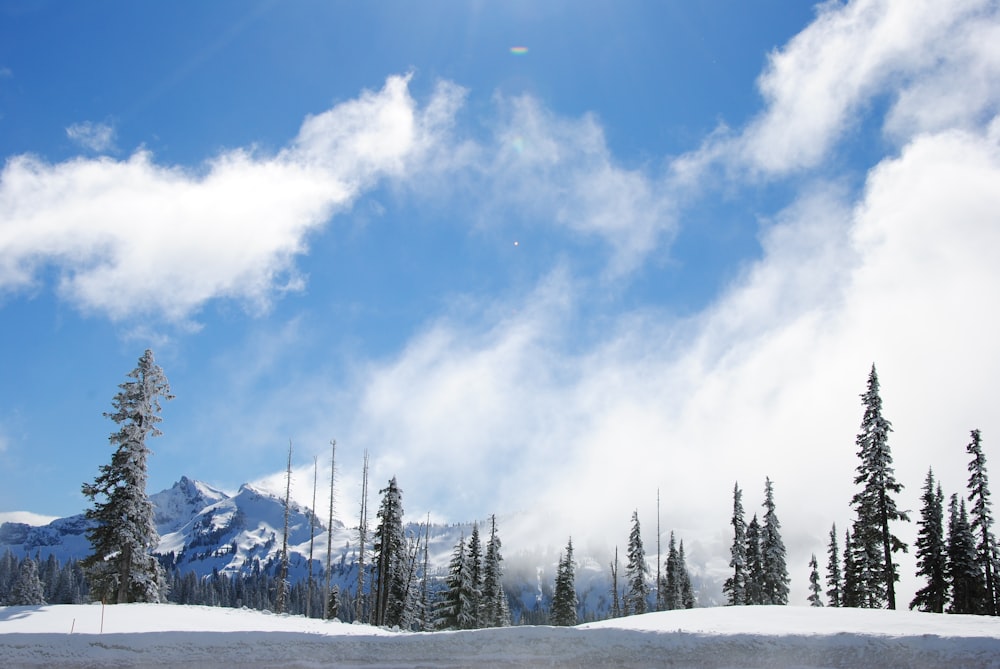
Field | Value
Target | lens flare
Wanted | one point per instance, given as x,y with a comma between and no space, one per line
519,50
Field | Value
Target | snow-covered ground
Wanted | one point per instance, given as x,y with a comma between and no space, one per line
163,635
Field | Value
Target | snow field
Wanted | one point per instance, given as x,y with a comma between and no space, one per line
144,635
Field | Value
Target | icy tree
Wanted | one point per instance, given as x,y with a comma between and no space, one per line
775,575
121,568
27,589
931,553
636,571
755,564
982,520
815,590
735,586
495,610
564,598
390,583
454,609
874,505
474,556
834,579
965,579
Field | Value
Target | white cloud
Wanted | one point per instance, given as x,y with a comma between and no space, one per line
98,137
562,171
133,237
913,53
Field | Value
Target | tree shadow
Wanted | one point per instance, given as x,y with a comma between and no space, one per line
18,612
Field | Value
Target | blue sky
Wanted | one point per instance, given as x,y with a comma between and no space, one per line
658,248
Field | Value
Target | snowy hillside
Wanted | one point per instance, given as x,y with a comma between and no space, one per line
151,635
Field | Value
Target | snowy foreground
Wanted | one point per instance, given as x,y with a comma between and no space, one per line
164,635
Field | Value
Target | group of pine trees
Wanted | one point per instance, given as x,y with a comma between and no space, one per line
757,556
673,585
473,597
959,567
32,581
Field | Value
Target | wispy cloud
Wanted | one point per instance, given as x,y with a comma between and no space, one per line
854,55
134,237
97,137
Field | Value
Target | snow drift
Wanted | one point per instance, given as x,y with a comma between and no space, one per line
161,635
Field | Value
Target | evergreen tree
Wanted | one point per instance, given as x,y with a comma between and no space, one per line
982,520
637,569
834,579
564,598
735,586
27,589
964,576
333,602
775,582
495,610
474,555
455,608
874,505
932,559
814,587
122,569
852,594
688,599
390,578
755,564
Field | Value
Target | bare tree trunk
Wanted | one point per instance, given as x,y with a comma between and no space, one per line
329,534
312,532
362,541
279,604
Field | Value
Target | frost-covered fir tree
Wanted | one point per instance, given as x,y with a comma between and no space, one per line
982,520
495,610
874,505
775,582
474,556
931,553
564,597
815,589
391,576
454,610
834,579
27,589
755,564
965,580
121,568
735,586
637,569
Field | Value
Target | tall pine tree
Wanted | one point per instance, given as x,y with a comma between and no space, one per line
454,610
834,578
852,595
564,598
495,610
122,568
965,579
932,559
735,586
982,520
775,583
755,564
391,576
637,569
874,505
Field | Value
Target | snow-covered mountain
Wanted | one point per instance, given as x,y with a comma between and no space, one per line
203,530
